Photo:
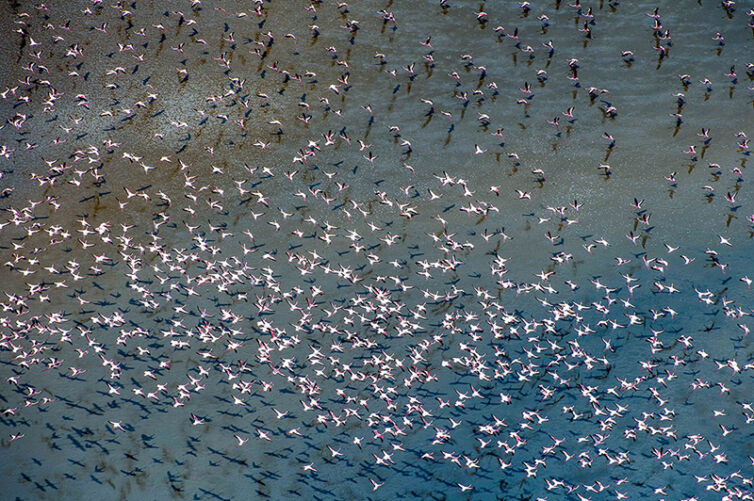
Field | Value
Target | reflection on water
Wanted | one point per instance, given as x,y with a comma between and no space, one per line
336,251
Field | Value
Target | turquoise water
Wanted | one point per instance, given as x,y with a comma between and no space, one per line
248,258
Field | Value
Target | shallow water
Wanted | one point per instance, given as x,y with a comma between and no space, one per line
220,279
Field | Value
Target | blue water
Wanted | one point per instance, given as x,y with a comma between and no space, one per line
413,260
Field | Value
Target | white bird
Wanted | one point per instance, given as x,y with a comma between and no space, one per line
117,425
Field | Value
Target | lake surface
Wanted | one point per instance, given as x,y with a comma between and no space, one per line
376,250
